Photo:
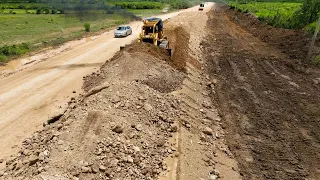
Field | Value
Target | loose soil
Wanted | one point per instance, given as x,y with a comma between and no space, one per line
269,103
143,115
233,102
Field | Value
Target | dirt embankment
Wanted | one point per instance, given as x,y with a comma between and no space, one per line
269,103
118,129
143,115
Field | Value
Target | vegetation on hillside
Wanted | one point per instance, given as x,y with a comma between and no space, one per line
292,14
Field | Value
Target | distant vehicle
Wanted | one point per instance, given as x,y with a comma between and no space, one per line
201,7
123,31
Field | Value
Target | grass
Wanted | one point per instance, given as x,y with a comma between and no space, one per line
32,28
278,14
46,29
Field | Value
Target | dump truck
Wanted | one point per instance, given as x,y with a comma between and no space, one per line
152,32
201,7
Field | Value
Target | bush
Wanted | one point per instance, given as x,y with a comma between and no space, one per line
316,60
39,11
14,49
308,13
46,11
2,58
87,27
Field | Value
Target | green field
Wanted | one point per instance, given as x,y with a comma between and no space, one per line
39,30
278,14
33,28
290,14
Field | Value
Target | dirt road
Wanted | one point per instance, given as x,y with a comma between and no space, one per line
32,95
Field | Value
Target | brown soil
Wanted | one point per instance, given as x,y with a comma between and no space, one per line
233,102
269,103
143,115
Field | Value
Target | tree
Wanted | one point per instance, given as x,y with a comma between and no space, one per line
308,13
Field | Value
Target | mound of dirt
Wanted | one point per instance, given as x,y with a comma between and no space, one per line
118,129
293,43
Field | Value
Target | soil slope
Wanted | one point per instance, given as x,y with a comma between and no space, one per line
268,101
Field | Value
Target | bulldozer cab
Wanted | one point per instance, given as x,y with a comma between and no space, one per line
151,30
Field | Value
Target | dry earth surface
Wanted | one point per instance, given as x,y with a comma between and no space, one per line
233,102
268,100
36,88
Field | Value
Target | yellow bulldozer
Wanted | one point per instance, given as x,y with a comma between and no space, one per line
152,32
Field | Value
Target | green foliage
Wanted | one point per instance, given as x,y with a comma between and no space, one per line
278,14
180,4
14,50
291,14
316,60
138,5
308,13
2,58
86,27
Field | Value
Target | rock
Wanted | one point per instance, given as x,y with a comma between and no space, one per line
174,128
33,159
188,125
1,173
161,143
138,127
26,152
95,169
85,169
102,168
60,142
130,172
1,161
40,169
206,104
129,159
19,165
74,92
213,177
46,153
141,98
115,99
147,107
136,148
118,129
215,172
59,126
207,131
136,160
214,81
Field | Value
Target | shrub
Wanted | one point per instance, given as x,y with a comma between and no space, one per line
46,11
38,11
87,27
316,60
